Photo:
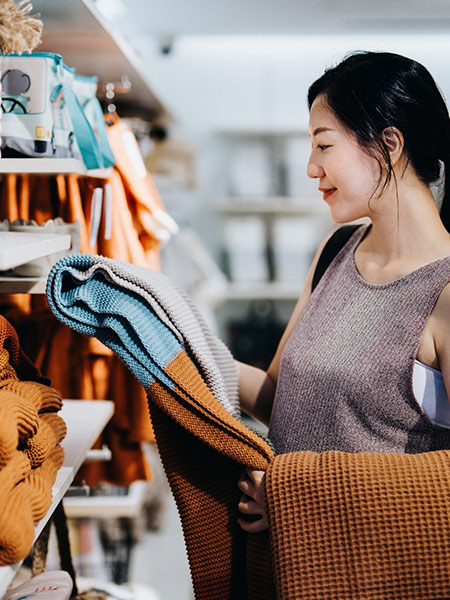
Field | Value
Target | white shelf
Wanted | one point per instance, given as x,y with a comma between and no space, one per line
49,166
85,421
270,205
107,507
263,291
22,285
19,248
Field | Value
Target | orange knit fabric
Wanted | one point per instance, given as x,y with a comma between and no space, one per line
25,497
52,430
29,437
17,359
39,482
360,526
204,450
42,397
18,421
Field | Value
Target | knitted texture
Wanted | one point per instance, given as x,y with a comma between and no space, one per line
23,413
25,497
9,438
17,359
30,454
52,430
6,370
360,526
39,483
191,383
42,397
345,380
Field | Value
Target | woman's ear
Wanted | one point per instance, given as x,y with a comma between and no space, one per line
394,141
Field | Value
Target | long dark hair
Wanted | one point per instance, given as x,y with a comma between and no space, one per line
369,91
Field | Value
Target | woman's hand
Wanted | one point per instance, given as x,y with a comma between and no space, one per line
253,501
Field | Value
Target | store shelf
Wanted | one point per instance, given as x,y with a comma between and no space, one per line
270,205
85,420
94,45
19,248
263,291
108,507
22,285
49,166
81,434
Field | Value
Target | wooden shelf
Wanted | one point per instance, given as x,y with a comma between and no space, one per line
81,434
50,166
263,291
19,248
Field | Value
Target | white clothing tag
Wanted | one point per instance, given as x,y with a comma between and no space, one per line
108,209
96,213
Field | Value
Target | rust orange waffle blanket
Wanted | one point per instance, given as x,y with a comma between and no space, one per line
360,526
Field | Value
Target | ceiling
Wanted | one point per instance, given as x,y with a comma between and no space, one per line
254,17
198,17
71,29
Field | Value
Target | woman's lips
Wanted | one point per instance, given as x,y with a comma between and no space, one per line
328,193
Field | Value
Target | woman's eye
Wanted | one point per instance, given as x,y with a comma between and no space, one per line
322,148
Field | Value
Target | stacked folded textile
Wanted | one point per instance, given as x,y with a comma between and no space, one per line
30,451
191,383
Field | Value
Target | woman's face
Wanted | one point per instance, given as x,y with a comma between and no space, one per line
347,176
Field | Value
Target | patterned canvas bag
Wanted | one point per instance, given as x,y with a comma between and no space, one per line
42,116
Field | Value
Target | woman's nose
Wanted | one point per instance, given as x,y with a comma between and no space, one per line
314,170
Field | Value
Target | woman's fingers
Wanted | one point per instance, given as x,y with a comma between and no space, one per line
253,526
247,506
252,502
246,486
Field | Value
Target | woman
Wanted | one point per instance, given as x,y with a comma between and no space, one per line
348,369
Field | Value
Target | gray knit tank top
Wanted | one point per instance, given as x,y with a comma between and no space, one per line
345,380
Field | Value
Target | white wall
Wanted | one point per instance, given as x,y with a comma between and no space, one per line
262,81
256,82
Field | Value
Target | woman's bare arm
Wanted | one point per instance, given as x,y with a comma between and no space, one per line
257,387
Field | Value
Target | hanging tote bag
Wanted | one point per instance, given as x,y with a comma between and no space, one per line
85,89
42,117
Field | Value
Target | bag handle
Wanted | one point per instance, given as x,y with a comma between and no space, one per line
83,131
105,149
336,242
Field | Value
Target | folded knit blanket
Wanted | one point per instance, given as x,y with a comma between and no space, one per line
30,454
191,383
14,357
25,496
365,526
